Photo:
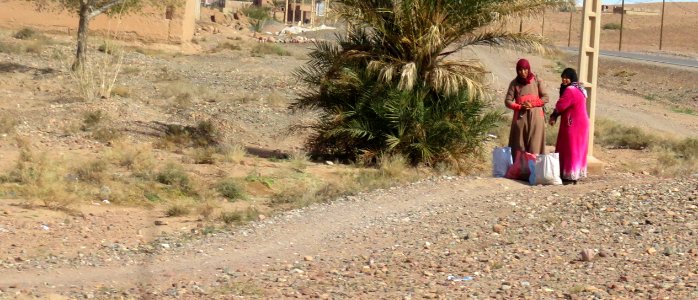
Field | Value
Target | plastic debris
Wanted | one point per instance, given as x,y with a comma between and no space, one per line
459,278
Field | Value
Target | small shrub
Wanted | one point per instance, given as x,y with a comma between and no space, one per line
239,217
651,97
27,34
611,26
177,210
109,48
226,46
130,70
204,155
684,110
233,153
392,165
10,48
230,189
7,124
121,91
92,171
35,47
166,74
206,209
106,134
299,160
277,99
231,217
624,73
152,196
91,119
175,176
610,134
203,135
263,49
256,177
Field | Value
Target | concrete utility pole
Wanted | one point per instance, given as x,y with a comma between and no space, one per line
286,13
622,14
661,27
589,47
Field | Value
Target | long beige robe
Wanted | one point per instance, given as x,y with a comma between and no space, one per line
527,126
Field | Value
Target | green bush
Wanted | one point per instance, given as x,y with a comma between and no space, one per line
177,210
611,26
230,189
26,34
390,86
269,49
175,176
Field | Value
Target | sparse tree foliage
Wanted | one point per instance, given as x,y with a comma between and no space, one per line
89,9
390,85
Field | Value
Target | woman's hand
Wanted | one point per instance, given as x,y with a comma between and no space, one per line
527,105
552,121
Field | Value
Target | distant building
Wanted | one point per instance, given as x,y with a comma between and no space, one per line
636,11
305,11
168,24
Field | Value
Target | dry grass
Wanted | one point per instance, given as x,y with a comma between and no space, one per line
174,176
674,156
614,135
234,153
94,171
239,216
276,99
204,155
10,48
177,210
121,91
183,94
139,159
226,46
231,189
7,124
392,166
299,159
206,209
263,49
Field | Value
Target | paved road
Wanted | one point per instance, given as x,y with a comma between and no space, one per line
671,60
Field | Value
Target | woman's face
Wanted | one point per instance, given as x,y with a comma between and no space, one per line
566,81
523,73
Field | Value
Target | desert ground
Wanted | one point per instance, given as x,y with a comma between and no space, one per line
188,180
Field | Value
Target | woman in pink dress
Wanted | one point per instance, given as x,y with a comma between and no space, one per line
573,136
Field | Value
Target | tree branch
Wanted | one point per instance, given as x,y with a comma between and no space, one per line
104,8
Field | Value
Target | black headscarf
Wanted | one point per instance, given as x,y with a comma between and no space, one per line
572,75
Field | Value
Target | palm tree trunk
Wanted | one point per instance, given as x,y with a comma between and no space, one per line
82,35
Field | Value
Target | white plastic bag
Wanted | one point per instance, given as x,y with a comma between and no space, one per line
501,161
546,170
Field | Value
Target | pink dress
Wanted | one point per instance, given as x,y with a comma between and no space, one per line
573,137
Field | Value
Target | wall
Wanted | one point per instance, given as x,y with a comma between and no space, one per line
150,25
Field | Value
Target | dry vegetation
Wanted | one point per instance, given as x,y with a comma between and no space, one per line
186,169
206,137
166,154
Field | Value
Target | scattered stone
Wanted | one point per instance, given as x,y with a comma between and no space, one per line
498,228
651,251
160,222
587,254
308,258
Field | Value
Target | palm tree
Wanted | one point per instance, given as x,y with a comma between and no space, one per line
390,84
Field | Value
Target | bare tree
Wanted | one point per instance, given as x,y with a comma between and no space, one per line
89,9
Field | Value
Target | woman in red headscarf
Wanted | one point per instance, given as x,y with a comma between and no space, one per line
526,97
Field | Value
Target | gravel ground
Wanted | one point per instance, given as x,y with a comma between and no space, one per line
621,236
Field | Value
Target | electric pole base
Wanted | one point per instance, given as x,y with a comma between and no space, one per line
594,166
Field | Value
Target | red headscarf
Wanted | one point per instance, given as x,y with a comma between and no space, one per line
524,64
